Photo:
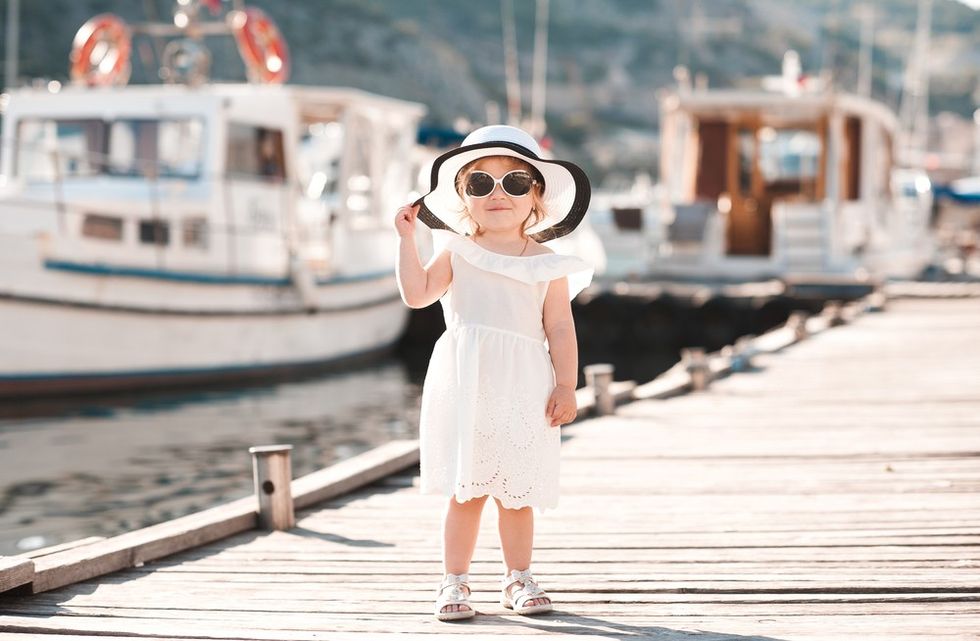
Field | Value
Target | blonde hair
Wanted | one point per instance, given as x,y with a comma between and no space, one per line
538,212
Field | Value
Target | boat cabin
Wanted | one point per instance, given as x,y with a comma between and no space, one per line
230,181
761,185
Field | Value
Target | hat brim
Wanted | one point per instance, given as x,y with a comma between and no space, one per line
566,193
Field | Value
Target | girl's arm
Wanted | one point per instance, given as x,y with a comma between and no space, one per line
559,327
419,286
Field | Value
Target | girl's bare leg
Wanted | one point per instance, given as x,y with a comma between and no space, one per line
459,537
517,539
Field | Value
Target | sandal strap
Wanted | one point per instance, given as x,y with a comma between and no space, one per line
517,576
529,588
456,594
455,579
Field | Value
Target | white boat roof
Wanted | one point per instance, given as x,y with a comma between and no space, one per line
736,101
312,101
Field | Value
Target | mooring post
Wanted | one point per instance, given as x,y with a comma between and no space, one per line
876,300
742,353
273,477
797,323
834,310
598,377
696,363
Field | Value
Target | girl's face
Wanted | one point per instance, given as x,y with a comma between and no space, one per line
499,212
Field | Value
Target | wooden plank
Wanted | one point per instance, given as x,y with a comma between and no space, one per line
12,569
831,621
654,578
672,383
32,636
14,572
327,605
342,477
139,546
60,547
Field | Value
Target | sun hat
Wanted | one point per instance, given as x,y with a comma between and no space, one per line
566,187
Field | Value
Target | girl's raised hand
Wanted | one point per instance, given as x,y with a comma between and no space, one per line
561,407
405,220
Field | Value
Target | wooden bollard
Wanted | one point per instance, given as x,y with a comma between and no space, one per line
599,377
797,323
696,363
273,478
834,311
876,301
742,353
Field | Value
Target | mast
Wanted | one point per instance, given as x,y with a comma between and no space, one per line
539,79
866,15
914,111
13,43
510,63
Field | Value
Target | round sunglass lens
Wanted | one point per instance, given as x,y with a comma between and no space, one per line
479,184
517,183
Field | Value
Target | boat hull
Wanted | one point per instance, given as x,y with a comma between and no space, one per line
56,348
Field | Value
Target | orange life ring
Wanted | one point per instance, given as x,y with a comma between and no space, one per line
111,67
261,45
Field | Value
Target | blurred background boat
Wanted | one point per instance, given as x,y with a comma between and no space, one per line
797,183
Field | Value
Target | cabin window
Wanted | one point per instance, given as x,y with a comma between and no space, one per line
789,161
746,160
359,186
102,227
255,153
195,233
628,218
155,148
155,232
49,149
320,150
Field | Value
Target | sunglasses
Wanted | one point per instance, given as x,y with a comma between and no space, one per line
480,184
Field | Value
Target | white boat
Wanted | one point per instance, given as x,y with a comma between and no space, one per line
797,185
626,221
161,234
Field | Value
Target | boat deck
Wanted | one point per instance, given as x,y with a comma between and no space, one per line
829,493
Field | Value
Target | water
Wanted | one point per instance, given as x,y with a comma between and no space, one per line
100,469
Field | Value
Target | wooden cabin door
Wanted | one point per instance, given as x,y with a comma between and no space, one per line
749,229
257,199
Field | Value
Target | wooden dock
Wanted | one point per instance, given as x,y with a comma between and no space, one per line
832,492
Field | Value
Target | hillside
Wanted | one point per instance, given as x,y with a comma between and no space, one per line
607,58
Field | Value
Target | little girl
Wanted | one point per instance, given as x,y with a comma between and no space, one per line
501,379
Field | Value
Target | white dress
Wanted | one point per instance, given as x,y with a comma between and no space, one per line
483,429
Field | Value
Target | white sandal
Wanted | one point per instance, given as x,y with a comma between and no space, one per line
454,590
527,590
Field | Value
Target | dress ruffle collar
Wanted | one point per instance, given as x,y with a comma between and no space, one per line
526,269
